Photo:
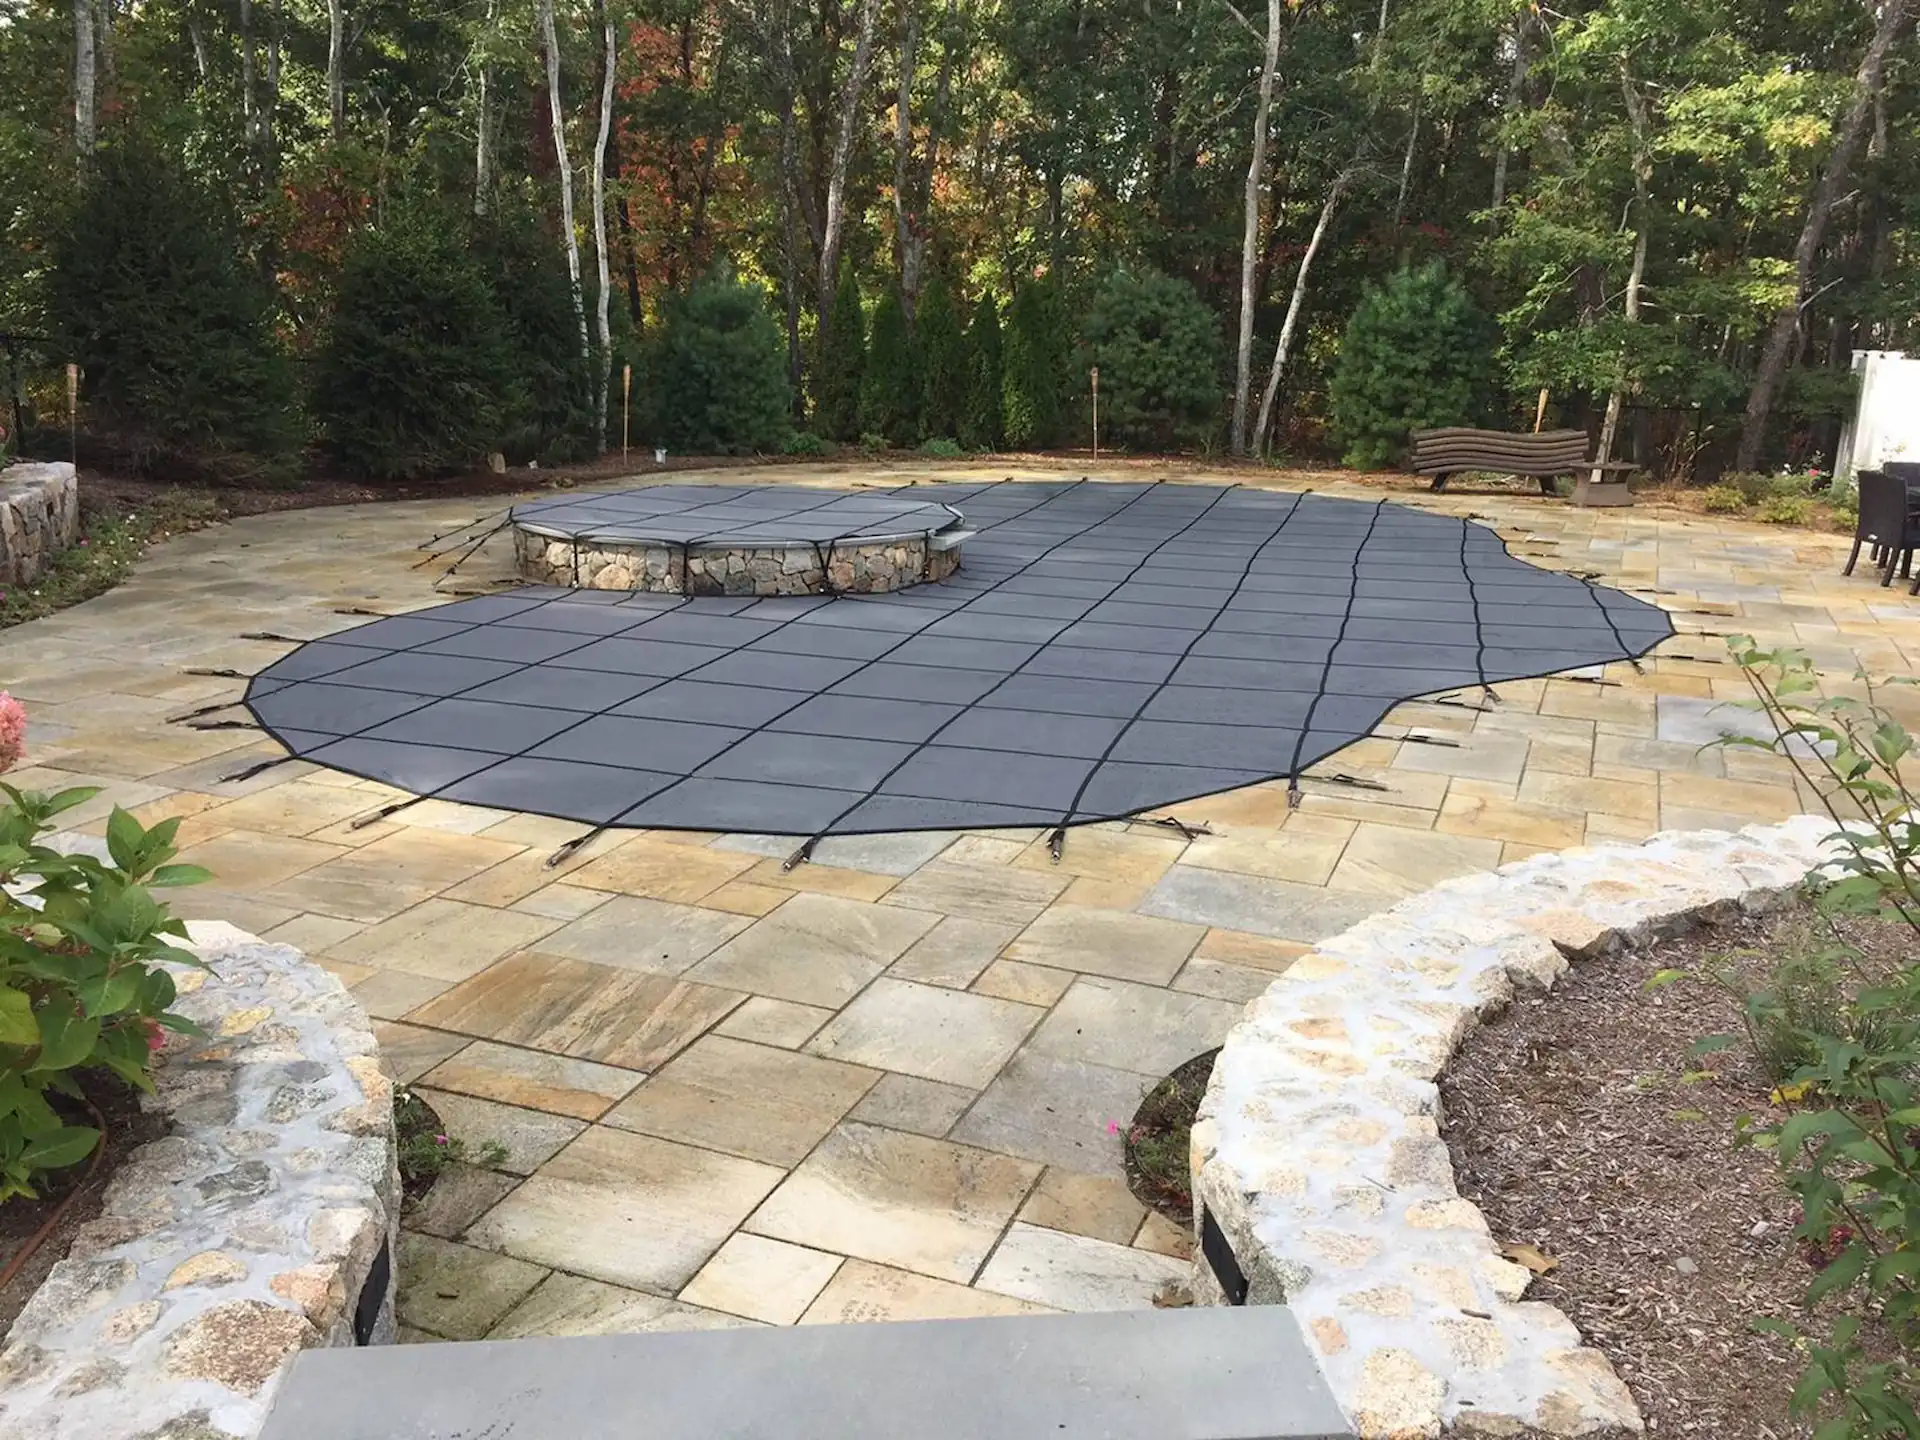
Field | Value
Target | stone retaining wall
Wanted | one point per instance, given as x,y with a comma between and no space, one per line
39,517
850,568
263,1224
1318,1152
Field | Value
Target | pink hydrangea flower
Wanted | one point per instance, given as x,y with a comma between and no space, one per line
13,731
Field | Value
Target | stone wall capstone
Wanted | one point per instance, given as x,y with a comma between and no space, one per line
39,517
1318,1154
262,1224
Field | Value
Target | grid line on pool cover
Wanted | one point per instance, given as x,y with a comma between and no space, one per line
1105,648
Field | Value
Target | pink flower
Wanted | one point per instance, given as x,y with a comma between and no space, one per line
13,731
156,1035
439,1139
1113,1127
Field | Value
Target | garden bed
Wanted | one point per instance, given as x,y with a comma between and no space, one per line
1603,1155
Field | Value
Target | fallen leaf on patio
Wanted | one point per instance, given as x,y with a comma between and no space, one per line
1173,1295
1539,1262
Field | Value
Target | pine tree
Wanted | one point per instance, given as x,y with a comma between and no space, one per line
1030,373
529,280
1417,353
981,427
1158,349
941,350
720,370
890,388
172,329
416,373
837,376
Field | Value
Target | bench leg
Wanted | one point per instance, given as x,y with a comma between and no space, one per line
1853,558
1439,483
1548,487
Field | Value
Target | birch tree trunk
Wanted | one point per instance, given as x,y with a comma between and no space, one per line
602,296
1642,174
1848,135
1250,234
483,138
1406,166
911,246
336,69
86,60
835,218
247,81
1516,78
551,42
1295,305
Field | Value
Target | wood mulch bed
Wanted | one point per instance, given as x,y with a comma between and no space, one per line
1583,1129
20,1220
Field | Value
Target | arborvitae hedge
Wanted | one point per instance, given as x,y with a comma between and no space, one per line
1030,372
940,349
842,361
890,389
981,426
528,274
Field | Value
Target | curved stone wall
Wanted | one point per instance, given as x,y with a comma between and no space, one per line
1318,1153
263,1224
39,517
843,567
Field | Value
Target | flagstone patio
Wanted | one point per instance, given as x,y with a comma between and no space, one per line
885,1084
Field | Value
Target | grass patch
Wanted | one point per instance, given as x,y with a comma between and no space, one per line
1156,1145
425,1148
113,537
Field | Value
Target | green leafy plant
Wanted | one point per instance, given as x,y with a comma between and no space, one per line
1724,500
81,979
1158,350
940,356
981,425
1417,353
805,442
426,1150
890,386
941,448
842,359
1030,367
1844,1037
1786,510
721,370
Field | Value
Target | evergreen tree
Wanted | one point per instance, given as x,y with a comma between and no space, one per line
1030,373
981,427
416,373
890,388
720,370
529,281
173,332
941,351
1417,353
1158,349
837,377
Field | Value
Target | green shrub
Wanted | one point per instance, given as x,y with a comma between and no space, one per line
1157,347
416,373
842,361
1417,353
721,370
81,985
890,389
1786,510
554,420
1723,500
1030,368
805,442
981,427
1850,1147
941,448
941,359
873,442
173,331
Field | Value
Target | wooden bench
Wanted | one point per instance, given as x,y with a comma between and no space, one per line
1442,453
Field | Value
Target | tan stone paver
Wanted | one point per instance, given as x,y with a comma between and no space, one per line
869,1086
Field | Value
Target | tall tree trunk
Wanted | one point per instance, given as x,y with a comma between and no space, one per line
1295,306
551,43
602,333
483,135
249,106
86,60
1250,233
270,103
1848,134
1641,126
911,245
336,70
833,221
1406,166
1516,80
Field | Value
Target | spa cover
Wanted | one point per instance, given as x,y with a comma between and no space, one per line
1106,648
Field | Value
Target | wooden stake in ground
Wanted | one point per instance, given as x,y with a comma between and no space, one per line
626,409
73,411
1540,411
1096,411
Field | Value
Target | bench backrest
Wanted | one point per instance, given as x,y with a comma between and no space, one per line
1460,448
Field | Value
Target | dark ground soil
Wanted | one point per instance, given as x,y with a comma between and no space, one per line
1581,1126
20,1220
1154,1148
